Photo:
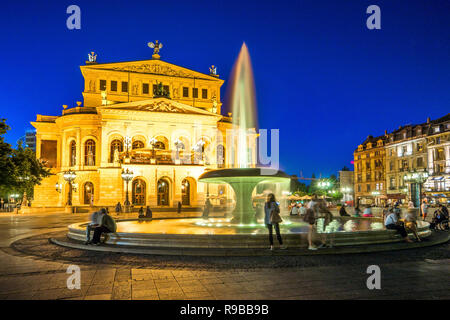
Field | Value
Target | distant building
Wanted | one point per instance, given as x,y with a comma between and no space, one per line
28,140
369,176
412,149
346,185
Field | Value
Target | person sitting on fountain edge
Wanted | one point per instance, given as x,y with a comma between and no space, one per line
107,225
343,212
96,220
392,223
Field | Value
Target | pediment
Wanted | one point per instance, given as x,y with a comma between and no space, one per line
162,105
153,66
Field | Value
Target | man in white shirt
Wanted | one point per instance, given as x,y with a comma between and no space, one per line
96,220
391,223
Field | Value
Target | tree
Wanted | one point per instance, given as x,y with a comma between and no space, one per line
6,163
345,169
29,171
20,171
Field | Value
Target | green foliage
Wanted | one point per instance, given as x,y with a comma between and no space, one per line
20,171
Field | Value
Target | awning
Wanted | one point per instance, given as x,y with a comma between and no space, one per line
396,196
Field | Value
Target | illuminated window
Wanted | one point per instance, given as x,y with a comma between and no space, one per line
89,153
145,88
137,144
124,86
88,193
115,145
102,85
73,153
113,85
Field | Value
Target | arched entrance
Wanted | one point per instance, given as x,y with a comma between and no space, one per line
185,193
88,193
163,192
138,192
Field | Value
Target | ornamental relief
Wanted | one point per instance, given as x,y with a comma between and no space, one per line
155,68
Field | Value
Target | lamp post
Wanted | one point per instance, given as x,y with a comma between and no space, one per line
127,176
127,142
69,176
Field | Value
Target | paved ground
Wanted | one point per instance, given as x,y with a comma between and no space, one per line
32,268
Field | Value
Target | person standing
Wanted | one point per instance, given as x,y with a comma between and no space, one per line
357,212
107,225
424,208
272,219
96,219
118,208
2,203
206,208
343,212
141,212
310,218
148,213
179,207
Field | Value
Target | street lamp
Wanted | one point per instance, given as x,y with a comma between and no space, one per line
127,176
128,145
69,176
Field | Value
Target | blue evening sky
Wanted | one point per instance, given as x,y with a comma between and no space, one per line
321,76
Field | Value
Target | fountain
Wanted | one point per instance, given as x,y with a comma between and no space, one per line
216,236
244,178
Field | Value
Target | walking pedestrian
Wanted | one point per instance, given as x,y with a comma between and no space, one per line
424,208
272,219
118,208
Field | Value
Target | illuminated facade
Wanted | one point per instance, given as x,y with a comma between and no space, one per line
370,164
412,149
161,121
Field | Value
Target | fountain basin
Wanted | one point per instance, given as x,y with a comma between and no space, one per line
180,234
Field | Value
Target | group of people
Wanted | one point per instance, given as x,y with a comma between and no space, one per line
101,222
315,213
148,213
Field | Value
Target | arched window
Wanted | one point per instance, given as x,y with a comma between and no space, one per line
89,153
88,193
137,145
163,192
159,145
220,156
138,192
115,145
73,154
185,192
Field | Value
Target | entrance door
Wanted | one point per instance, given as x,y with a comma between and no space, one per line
185,193
138,192
163,192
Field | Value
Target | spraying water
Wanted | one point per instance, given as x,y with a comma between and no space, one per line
243,102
